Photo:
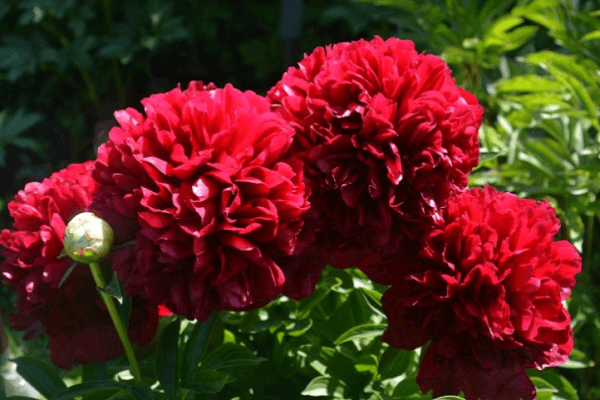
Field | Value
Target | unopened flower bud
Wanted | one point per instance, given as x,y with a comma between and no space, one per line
88,238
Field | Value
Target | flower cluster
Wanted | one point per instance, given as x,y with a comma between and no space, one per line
387,138
487,290
215,200
78,324
223,200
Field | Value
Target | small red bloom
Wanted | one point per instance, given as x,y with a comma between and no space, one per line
386,137
73,315
217,204
487,290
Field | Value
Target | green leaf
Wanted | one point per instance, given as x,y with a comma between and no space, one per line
142,391
518,37
43,377
17,124
88,388
594,35
113,289
367,363
95,371
529,83
365,331
502,25
195,347
298,328
67,273
324,386
209,381
28,144
230,355
565,389
575,228
406,388
20,398
544,394
109,394
167,359
578,360
542,384
372,295
565,63
394,362
581,92
488,156
323,289
547,156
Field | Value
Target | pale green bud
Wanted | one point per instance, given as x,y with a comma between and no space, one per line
88,238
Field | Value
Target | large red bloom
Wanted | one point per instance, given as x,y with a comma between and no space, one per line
386,136
73,315
216,202
487,290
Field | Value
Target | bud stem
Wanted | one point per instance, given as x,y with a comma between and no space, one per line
116,318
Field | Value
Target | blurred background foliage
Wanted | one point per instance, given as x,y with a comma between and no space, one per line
67,65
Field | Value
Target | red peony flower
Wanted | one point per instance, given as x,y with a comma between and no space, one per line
386,137
73,315
487,290
217,204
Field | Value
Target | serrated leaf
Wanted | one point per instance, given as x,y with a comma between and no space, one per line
229,355
43,377
167,359
365,331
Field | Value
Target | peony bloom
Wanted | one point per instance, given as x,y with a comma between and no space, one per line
202,183
386,137
73,315
487,290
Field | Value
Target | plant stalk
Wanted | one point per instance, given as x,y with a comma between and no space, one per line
118,323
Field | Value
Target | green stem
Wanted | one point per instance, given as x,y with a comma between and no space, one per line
116,318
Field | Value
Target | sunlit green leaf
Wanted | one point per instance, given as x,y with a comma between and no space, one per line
365,331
